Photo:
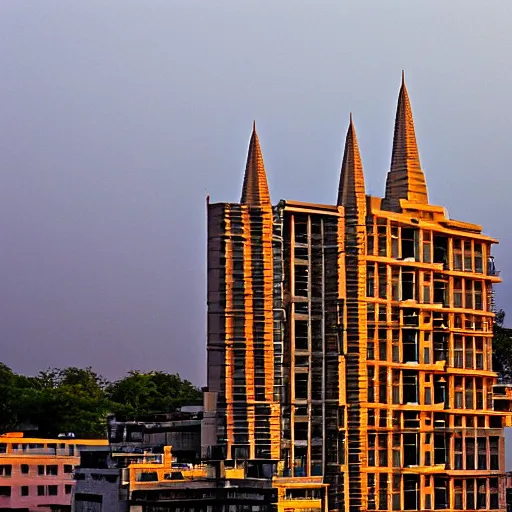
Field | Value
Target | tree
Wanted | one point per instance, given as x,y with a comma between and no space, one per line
78,400
152,392
502,348
71,400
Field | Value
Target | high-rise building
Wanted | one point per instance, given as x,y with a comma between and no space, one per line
353,341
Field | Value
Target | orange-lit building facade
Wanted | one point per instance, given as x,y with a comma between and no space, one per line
37,474
353,341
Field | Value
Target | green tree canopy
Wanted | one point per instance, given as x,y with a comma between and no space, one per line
78,400
152,392
502,348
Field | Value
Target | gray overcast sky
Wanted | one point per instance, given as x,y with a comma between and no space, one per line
117,117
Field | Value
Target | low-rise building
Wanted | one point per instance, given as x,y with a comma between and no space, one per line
148,482
180,429
37,474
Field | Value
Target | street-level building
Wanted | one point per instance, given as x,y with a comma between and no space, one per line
37,474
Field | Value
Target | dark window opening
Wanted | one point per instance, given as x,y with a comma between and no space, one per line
410,345
301,280
440,494
440,249
439,449
409,243
408,284
411,492
410,387
301,335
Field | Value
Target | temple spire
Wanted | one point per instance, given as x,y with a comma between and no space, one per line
405,179
351,193
255,187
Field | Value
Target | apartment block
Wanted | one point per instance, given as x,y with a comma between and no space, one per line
353,341
37,474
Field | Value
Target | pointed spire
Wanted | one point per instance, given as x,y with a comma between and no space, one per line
351,193
405,178
255,187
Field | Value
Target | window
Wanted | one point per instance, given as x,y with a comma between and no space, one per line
301,335
479,349
382,240
470,494
478,295
383,284
24,469
470,453
482,494
301,231
370,281
395,390
457,292
52,470
469,294
394,241
469,352
494,453
371,449
5,470
383,491
40,470
408,284
24,490
383,345
68,488
457,255
494,498
458,399
458,453
458,494
427,246
395,283
383,385
68,468
40,490
5,491
482,453
396,459
371,239
468,258
409,239
301,280
371,384
52,490
469,394
458,354
478,259
301,386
